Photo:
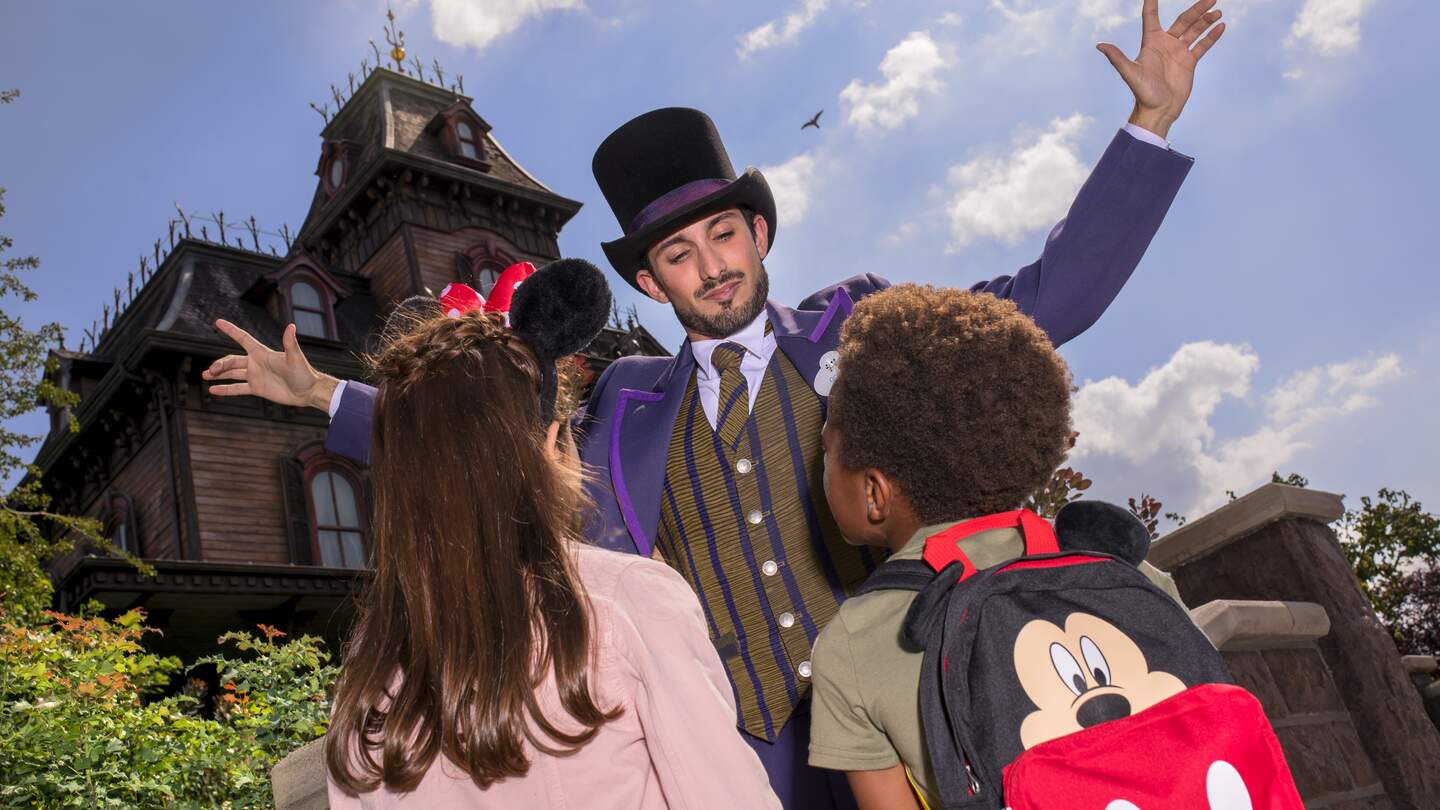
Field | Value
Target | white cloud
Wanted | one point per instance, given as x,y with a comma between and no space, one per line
911,70
793,184
1293,74
950,18
1329,27
1107,14
1006,197
1023,33
477,23
782,31
1157,436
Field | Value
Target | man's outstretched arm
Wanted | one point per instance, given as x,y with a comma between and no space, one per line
1090,255
287,378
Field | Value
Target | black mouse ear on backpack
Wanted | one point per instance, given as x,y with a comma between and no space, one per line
558,310
1102,527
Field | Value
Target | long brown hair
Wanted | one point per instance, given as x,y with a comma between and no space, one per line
474,598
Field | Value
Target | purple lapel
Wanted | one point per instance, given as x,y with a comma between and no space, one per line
639,444
806,335
644,419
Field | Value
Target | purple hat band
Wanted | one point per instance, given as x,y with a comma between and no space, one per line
672,201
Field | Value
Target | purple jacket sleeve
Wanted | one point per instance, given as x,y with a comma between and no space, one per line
1090,255
349,434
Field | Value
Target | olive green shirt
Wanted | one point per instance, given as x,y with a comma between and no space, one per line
865,712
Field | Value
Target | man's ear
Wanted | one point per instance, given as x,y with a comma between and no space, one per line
880,494
651,286
762,235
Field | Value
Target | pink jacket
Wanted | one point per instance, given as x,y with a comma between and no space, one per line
675,747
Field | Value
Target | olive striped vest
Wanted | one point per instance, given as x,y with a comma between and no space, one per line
750,530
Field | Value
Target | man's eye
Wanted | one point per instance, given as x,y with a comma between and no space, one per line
721,237
678,257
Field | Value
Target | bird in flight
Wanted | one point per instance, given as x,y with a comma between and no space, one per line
813,122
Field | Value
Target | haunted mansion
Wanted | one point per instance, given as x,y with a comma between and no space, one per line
234,501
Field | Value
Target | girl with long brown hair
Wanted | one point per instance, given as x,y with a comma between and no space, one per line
498,661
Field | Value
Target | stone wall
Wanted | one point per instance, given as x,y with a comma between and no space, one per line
1275,544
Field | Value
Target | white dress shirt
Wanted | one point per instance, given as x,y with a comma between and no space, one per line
758,345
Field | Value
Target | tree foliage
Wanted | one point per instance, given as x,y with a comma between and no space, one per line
1394,546
1065,486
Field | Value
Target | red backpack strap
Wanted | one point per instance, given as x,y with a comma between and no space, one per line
944,548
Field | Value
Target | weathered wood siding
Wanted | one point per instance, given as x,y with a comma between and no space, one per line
239,498
389,272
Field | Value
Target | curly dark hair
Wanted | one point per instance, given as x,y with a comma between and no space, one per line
956,396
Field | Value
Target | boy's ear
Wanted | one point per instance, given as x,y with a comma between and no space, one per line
880,494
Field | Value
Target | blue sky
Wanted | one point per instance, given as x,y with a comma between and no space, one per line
1283,318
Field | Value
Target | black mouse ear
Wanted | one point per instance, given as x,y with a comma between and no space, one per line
1103,527
561,307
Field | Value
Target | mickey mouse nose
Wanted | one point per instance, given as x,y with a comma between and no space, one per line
1099,709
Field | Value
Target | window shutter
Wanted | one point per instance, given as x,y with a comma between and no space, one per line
297,511
132,529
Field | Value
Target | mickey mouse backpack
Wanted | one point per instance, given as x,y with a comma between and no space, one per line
1066,679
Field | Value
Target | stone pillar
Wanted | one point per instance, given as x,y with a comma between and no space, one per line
297,782
1275,544
1270,648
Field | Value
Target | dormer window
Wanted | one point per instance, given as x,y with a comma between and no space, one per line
462,133
309,310
303,293
466,140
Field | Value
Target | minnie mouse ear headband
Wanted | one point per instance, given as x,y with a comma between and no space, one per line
458,298
557,311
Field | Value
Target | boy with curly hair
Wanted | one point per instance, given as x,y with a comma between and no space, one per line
949,405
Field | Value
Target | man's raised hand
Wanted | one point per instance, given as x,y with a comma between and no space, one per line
1162,74
285,377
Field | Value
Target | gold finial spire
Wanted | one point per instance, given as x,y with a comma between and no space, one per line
396,38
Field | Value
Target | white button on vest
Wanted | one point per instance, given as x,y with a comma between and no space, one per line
787,619
769,568
743,466
804,669
755,517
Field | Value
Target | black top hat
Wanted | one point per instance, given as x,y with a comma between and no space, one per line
662,171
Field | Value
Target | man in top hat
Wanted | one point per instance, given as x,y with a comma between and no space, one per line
712,460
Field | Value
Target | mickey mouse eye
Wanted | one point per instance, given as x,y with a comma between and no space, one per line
1068,669
1095,661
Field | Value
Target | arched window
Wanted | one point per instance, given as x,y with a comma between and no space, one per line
481,264
337,524
310,309
466,141
119,526
486,275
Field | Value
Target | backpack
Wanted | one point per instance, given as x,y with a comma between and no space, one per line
1066,679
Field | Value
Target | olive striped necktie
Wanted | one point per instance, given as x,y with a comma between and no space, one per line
733,408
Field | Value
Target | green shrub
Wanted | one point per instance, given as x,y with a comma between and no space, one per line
81,726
